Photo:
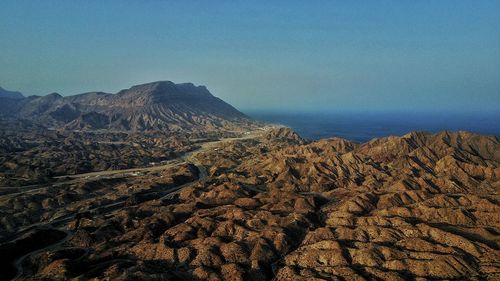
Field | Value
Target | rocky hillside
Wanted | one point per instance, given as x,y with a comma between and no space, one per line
154,106
10,94
270,206
9,101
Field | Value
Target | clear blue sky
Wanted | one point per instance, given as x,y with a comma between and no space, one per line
299,55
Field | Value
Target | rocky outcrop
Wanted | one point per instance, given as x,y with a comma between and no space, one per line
274,207
161,105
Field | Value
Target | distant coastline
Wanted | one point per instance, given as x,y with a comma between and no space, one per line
362,127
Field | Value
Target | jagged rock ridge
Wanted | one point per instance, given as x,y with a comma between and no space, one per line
161,105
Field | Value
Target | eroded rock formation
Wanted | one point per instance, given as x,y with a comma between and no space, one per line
161,105
273,206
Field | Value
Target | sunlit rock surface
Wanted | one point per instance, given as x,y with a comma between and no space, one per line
274,206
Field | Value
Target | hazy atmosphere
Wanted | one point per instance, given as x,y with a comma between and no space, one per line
249,140
284,55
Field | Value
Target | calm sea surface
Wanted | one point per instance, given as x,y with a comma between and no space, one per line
362,127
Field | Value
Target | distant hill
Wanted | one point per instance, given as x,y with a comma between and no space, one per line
10,94
161,105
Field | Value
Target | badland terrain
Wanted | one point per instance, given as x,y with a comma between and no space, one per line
164,181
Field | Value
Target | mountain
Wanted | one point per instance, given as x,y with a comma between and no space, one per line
161,105
10,94
9,102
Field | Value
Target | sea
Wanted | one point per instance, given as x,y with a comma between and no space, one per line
361,127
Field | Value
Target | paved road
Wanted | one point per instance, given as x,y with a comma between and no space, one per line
109,174
18,263
101,210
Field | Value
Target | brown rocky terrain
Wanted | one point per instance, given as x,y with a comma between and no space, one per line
161,105
268,205
32,154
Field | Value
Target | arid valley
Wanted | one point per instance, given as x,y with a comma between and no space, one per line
182,186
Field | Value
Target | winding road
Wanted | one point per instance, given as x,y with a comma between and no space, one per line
55,223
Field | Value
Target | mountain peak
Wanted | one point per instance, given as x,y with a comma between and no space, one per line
10,94
160,105
152,86
163,92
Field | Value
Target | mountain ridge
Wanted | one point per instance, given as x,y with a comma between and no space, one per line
10,94
160,105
